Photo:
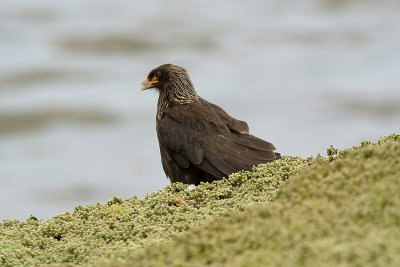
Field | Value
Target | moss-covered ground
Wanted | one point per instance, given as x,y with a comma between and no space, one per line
343,210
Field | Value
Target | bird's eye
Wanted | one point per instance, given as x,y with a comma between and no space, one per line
157,74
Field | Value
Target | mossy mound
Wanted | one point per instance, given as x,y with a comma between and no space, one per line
345,213
124,227
338,211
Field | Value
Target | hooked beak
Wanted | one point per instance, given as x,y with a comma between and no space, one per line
148,84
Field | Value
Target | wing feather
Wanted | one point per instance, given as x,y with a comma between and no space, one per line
194,136
184,163
235,125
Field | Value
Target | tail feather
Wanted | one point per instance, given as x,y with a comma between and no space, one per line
231,154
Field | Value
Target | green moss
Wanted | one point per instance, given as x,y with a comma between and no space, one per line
122,228
342,211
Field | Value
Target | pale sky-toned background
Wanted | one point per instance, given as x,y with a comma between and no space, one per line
75,128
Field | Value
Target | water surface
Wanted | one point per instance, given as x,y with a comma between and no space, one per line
75,128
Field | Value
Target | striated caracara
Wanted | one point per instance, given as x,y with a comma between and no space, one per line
199,141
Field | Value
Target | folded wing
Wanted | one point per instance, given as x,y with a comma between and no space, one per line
196,139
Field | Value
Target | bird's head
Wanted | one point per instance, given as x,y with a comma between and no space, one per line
171,80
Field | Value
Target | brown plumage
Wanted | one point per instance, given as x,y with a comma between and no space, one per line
199,141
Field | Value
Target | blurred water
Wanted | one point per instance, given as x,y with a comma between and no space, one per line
75,128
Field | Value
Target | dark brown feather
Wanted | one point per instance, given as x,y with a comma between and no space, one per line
199,141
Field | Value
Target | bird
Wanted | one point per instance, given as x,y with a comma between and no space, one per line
198,140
